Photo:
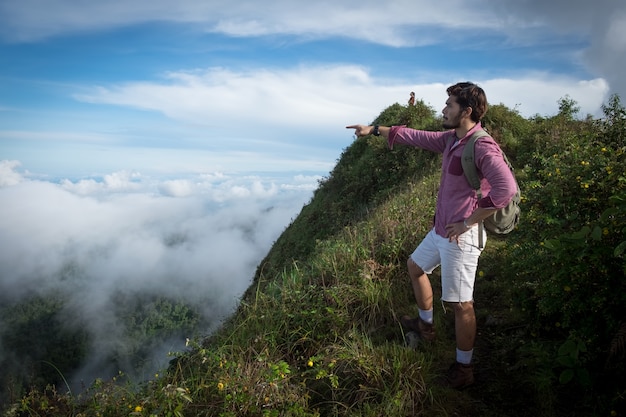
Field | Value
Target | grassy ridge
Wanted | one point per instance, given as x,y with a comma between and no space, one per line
317,333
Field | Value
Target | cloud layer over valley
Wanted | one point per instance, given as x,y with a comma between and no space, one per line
99,242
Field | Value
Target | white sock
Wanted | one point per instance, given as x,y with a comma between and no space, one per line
464,356
426,315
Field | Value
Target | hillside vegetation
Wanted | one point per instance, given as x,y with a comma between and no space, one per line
317,333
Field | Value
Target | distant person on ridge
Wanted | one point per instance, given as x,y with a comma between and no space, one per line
453,242
412,99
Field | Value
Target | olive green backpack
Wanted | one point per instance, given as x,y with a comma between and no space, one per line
504,220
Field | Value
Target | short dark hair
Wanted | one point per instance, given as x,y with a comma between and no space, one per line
470,95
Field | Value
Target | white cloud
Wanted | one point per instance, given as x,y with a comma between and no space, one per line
9,174
122,181
177,188
33,19
540,93
223,98
218,97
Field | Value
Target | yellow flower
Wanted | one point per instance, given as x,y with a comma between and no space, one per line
309,363
138,409
605,231
481,273
220,386
603,149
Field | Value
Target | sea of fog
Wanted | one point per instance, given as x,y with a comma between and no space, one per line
198,238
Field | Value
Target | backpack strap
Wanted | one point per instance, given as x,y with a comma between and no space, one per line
471,173
467,161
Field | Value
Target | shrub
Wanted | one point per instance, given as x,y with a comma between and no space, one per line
569,262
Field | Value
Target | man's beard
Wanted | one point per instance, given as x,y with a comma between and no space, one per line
451,123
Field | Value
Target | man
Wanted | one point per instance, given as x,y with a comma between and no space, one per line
453,242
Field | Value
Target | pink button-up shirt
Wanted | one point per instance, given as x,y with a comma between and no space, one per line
456,199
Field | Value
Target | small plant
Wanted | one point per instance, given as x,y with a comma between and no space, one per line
570,359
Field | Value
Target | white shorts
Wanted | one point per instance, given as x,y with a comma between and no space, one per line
458,261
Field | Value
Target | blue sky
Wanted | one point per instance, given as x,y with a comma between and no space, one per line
174,87
127,125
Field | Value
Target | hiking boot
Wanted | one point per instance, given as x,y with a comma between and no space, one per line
426,331
460,375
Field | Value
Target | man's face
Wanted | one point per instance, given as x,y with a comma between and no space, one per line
452,114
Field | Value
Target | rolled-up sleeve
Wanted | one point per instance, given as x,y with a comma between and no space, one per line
393,133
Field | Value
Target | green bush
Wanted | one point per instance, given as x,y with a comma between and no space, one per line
569,261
